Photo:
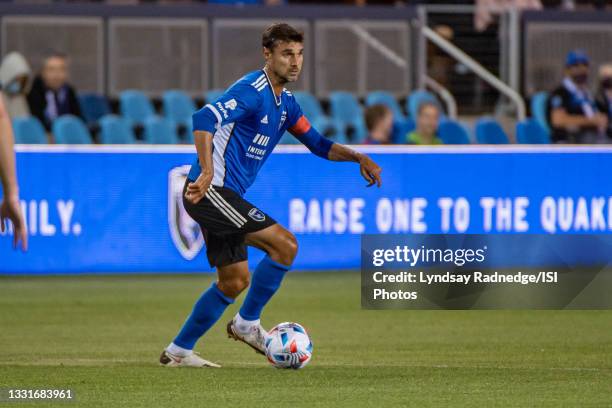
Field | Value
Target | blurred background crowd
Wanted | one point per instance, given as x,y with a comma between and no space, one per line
447,103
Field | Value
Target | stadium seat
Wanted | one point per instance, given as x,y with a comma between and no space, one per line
488,131
28,130
93,107
213,95
158,130
178,106
452,132
530,131
324,124
116,130
538,109
399,119
135,106
415,99
70,129
385,98
346,110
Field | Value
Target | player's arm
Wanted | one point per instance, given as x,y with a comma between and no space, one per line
239,102
329,150
197,190
9,207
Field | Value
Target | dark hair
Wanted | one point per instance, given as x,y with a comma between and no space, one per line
374,114
424,105
280,32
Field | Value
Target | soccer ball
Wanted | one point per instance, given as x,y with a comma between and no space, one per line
288,346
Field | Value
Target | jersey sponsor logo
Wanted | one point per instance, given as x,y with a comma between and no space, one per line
257,149
265,120
231,104
185,232
255,153
257,215
222,109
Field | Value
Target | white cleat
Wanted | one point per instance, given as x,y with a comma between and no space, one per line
193,360
255,338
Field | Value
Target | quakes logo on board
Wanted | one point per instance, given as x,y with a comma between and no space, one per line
185,232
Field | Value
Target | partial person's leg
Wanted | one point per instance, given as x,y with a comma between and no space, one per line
232,280
281,247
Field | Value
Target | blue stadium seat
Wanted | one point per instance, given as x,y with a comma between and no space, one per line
158,130
415,99
28,130
401,130
385,98
538,109
488,131
399,119
93,106
135,106
213,95
115,129
452,132
70,129
530,131
178,106
313,111
346,110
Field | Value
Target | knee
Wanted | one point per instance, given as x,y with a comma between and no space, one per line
287,249
233,287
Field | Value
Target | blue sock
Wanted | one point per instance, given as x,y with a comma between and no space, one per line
265,282
207,310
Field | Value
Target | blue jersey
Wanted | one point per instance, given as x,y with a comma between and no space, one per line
247,122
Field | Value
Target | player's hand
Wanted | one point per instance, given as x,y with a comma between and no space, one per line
370,171
11,210
197,190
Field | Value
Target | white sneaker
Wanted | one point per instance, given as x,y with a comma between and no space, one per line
255,338
192,360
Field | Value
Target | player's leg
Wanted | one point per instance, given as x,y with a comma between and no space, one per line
231,281
226,251
280,247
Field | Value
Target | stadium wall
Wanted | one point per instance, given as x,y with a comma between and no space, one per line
117,209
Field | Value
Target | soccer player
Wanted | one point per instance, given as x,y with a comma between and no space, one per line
9,205
234,136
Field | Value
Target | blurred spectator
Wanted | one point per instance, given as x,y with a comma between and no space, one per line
15,79
379,122
51,95
427,126
604,95
439,64
571,109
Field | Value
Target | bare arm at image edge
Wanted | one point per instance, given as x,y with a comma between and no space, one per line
10,208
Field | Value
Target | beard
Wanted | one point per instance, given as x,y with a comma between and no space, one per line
282,79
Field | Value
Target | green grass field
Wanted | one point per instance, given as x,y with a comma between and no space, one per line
101,336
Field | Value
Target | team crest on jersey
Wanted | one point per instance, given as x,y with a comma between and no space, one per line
282,120
257,215
185,232
231,104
